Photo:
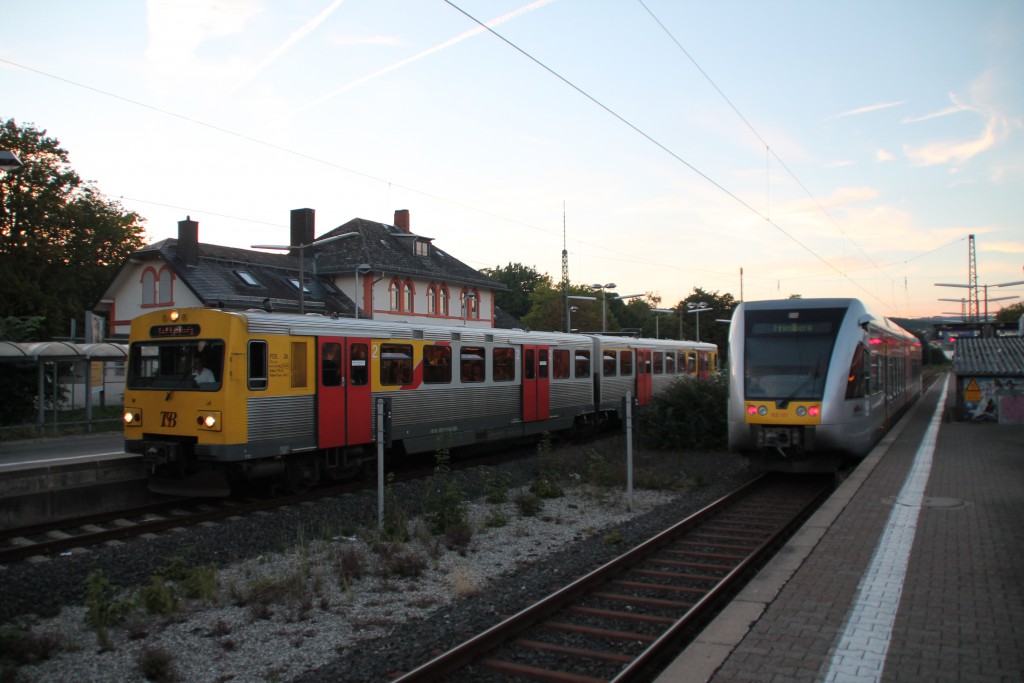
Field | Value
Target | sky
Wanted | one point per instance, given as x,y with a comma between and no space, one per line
758,149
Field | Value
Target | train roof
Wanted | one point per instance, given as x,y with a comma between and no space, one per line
878,322
314,324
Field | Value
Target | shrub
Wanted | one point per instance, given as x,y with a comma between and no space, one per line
157,664
445,499
689,414
529,504
102,608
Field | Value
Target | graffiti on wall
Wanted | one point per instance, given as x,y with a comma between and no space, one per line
984,398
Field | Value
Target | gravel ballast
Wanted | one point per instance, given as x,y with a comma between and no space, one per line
302,597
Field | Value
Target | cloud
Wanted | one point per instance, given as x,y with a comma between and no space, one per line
945,152
884,155
866,110
476,30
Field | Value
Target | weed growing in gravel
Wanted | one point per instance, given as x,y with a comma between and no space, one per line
496,519
395,521
614,538
445,499
159,597
102,607
19,647
157,664
546,485
528,503
496,487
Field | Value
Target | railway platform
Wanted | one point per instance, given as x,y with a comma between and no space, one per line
912,571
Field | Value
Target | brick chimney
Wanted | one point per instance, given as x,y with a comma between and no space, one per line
402,219
188,241
303,228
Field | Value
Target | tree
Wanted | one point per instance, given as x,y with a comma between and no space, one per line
521,281
1010,314
721,305
61,240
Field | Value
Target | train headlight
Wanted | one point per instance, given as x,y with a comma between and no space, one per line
814,411
751,409
132,417
801,411
762,410
208,420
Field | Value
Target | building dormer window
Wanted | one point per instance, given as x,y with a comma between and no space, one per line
422,248
295,284
247,277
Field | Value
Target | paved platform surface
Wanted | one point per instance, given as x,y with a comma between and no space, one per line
913,571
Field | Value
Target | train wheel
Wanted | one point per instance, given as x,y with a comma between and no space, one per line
302,474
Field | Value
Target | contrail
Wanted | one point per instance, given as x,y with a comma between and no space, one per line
290,42
429,51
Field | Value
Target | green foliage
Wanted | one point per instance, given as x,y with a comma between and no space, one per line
57,229
445,498
521,281
529,504
689,415
157,664
547,483
159,596
394,525
102,607
20,647
496,487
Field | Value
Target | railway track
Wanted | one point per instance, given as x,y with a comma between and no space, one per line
76,534
621,621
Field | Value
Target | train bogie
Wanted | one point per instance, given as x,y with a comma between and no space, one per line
299,397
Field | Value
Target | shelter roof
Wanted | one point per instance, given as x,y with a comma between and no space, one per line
997,356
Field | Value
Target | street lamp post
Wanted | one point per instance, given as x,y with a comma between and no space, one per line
302,260
604,302
1001,298
698,308
657,312
572,309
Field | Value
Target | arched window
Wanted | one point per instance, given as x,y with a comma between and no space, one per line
148,287
407,297
443,297
431,300
165,294
395,295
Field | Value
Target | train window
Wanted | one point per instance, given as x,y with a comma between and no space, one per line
857,381
437,364
505,364
529,365
299,379
659,363
396,364
542,363
691,364
560,358
703,362
625,363
358,372
582,364
196,364
670,363
330,364
471,364
257,365
608,366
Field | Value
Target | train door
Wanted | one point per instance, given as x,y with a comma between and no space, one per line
343,396
644,378
536,384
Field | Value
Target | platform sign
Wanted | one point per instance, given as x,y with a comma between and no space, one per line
972,393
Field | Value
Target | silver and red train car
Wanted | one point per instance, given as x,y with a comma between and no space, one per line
814,382
296,397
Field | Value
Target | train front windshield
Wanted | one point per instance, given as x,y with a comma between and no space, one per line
193,365
786,352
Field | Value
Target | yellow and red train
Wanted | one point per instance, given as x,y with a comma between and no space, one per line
213,397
